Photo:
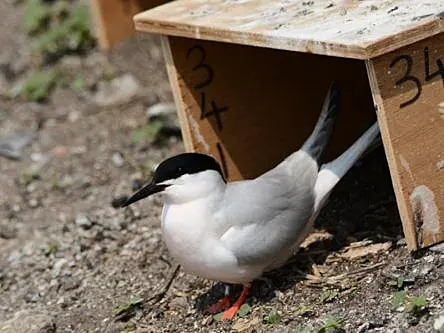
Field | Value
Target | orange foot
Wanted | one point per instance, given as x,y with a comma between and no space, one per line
229,314
222,304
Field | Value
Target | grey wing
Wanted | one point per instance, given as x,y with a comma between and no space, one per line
265,216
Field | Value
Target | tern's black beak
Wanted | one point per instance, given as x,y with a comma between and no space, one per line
144,192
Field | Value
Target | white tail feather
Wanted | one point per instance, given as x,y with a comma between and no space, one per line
332,172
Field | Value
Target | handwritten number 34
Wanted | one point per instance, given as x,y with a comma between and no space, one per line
408,77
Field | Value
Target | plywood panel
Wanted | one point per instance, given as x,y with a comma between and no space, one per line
113,19
354,29
251,107
408,87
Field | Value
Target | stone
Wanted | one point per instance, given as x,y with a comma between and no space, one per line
29,321
83,221
118,91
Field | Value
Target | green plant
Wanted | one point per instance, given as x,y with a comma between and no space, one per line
397,282
331,323
411,304
273,317
302,329
69,34
329,295
38,85
304,310
37,16
58,28
148,132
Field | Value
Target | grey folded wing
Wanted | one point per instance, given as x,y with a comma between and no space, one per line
261,218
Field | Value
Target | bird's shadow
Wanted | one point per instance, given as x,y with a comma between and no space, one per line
361,207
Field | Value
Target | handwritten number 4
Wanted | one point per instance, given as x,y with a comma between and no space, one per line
215,111
407,77
430,76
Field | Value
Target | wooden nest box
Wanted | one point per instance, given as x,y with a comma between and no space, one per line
113,19
249,79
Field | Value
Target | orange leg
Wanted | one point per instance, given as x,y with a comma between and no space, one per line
223,304
229,314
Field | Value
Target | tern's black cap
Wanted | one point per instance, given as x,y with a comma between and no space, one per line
186,163
173,168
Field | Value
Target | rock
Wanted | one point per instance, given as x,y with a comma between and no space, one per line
429,258
118,91
364,327
166,113
59,266
83,221
117,159
33,203
178,303
401,242
32,297
438,324
426,269
29,322
11,145
160,110
438,248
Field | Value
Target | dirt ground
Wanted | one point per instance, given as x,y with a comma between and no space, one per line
68,259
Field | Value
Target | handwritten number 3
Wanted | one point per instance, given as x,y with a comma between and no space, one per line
201,65
407,78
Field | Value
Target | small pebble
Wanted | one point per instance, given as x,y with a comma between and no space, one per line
59,266
364,327
83,221
438,324
429,258
117,159
33,203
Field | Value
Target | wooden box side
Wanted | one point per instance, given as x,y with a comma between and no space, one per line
408,88
113,19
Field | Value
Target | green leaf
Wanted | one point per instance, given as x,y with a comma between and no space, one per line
329,295
302,329
78,84
273,317
244,310
330,323
36,16
148,132
399,298
218,316
415,303
134,301
304,309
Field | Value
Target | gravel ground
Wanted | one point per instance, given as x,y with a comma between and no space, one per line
68,259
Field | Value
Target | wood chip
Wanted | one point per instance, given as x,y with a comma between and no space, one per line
243,324
361,251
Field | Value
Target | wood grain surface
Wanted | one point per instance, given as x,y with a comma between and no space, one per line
408,87
251,107
354,29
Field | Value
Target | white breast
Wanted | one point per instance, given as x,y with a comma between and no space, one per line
188,236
